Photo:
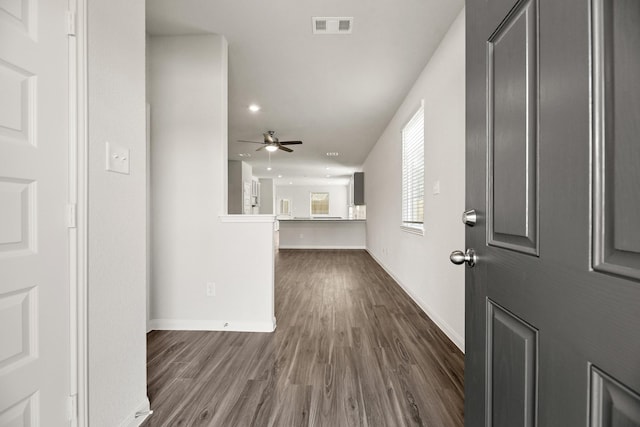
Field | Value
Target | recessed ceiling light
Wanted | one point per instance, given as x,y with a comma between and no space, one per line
327,168
244,154
279,176
291,182
269,168
333,154
254,108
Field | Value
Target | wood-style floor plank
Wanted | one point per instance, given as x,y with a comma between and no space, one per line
351,349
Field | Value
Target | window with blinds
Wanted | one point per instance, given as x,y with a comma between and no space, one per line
319,204
413,173
285,207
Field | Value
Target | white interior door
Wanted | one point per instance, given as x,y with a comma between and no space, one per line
34,248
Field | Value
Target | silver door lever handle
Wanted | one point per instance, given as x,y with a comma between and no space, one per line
459,257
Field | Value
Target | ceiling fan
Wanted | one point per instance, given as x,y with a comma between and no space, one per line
271,143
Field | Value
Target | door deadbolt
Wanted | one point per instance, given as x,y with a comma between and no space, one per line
469,217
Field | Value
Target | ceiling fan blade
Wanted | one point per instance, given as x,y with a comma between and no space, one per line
261,148
253,142
288,150
290,142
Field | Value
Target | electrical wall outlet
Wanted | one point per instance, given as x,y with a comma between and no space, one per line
211,289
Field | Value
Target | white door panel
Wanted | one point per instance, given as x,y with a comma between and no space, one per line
34,248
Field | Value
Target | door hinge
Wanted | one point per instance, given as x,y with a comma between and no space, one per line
73,216
72,408
71,23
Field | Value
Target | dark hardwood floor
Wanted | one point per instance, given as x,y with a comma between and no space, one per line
350,349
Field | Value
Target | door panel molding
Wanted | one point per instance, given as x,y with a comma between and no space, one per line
512,377
19,331
25,412
616,153
18,217
512,131
22,14
612,404
18,118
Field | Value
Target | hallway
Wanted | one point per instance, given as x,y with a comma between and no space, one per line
350,349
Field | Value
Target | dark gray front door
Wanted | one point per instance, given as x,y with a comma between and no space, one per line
553,170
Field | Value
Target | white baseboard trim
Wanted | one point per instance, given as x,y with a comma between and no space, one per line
321,247
443,325
211,325
132,421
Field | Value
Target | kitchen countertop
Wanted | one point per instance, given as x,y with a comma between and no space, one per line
321,219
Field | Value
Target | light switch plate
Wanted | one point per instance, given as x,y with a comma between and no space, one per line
117,159
436,187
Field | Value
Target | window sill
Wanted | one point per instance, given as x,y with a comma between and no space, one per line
412,230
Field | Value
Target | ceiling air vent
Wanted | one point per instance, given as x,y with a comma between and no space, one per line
320,25
332,25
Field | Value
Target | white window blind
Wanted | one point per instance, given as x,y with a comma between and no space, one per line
413,172
285,207
319,204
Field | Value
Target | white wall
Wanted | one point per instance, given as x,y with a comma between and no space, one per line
267,199
421,263
191,244
239,174
301,202
186,152
246,277
117,213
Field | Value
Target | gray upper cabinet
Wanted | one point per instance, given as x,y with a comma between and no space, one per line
358,188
